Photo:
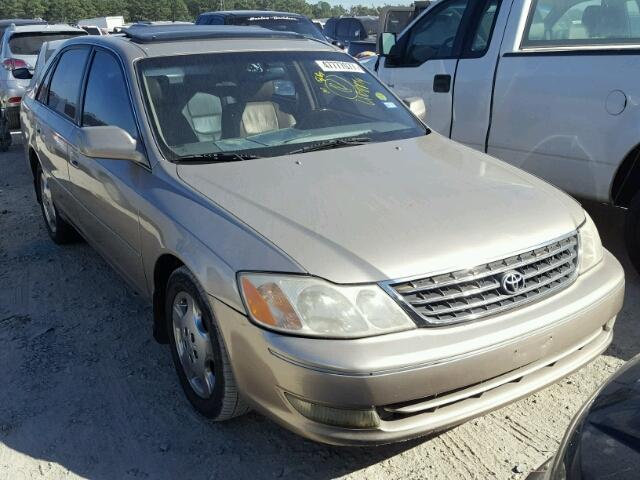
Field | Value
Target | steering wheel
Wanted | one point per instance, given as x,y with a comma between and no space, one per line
446,46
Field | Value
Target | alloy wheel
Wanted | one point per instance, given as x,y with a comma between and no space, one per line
193,344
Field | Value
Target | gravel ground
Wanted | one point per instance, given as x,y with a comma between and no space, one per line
86,392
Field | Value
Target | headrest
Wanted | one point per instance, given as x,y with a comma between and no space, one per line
591,17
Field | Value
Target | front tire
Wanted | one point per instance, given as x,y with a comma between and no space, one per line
199,354
632,232
58,229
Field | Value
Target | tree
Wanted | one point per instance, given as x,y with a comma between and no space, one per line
9,9
32,9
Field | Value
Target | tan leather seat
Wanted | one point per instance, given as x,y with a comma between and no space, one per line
204,114
261,114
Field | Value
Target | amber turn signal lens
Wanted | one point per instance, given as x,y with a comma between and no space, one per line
257,305
269,305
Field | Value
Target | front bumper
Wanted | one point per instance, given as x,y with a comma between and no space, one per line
425,380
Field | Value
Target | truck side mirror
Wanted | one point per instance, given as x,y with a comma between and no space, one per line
386,42
417,107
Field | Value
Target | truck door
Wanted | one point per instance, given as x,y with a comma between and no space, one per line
474,76
564,92
424,64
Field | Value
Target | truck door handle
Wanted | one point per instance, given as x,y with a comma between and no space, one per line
442,83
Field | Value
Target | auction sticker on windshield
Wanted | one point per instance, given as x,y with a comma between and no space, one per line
336,66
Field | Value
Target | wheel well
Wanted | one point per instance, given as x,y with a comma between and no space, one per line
34,162
165,266
627,180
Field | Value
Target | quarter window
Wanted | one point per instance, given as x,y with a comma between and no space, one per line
106,100
482,36
64,89
558,23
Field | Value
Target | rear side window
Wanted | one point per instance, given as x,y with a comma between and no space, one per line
64,90
30,43
484,28
558,23
114,108
330,28
342,28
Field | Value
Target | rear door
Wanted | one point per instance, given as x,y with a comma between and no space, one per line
476,69
55,117
106,189
428,53
565,101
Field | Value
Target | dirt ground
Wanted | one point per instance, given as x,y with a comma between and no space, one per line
86,392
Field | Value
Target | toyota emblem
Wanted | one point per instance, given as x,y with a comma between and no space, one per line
512,282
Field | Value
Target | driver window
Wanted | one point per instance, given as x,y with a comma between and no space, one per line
434,35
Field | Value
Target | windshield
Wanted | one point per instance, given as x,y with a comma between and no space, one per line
282,23
267,103
30,43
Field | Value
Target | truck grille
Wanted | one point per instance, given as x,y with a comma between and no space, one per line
491,288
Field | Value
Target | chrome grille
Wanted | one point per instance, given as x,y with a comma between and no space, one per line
477,292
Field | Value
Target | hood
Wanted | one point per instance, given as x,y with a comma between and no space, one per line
389,210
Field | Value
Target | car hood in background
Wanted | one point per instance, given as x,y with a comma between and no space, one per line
389,210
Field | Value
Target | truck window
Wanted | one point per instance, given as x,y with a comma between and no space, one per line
434,35
482,35
558,23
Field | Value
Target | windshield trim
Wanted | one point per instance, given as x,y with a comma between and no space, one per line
162,149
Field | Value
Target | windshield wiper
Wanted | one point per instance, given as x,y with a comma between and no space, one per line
218,157
330,144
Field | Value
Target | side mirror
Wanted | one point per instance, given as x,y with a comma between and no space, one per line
22,74
417,107
109,142
386,41
337,43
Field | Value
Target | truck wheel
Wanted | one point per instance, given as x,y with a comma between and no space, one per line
58,229
632,232
199,354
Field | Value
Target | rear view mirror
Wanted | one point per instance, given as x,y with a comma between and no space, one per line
386,41
417,107
22,74
109,142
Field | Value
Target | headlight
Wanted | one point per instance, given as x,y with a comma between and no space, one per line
590,245
314,307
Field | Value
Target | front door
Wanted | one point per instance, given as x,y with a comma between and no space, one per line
425,62
106,189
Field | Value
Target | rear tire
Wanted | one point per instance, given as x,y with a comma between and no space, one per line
58,229
5,135
199,354
632,232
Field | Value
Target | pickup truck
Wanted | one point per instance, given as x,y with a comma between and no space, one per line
550,86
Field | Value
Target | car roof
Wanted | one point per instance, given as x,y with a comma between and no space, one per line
161,40
253,13
5,22
61,27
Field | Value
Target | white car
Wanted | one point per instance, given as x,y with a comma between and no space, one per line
550,86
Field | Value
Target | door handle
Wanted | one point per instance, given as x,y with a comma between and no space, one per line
442,83
75,163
